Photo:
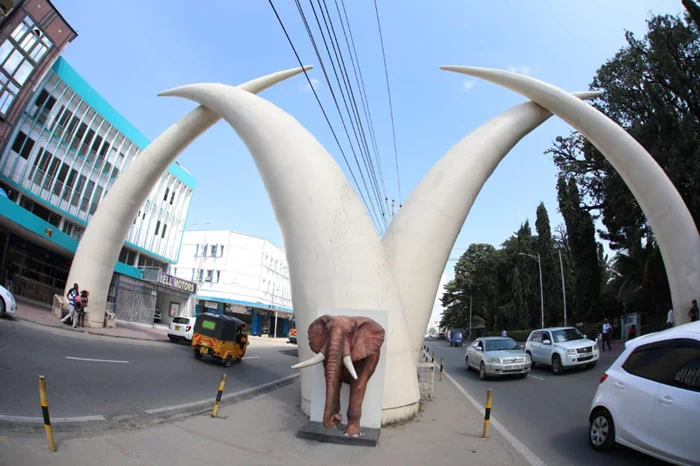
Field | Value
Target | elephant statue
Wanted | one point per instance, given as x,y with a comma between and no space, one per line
356,342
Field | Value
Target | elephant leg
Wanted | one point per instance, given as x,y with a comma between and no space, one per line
358,387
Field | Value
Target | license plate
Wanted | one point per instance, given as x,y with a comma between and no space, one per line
177,327
203,350
516,366
584,355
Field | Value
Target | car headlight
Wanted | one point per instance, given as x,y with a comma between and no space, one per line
571,351
493,360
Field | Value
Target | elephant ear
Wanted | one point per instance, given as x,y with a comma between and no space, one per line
368,338
318,333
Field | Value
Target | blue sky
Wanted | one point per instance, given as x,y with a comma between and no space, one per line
130,50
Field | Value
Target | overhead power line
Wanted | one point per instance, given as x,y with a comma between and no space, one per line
325,115
391,109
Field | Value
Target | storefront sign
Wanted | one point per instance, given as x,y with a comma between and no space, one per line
177,283
211,305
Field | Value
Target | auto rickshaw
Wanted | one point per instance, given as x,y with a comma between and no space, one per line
222,337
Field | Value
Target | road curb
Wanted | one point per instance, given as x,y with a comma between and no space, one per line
151,416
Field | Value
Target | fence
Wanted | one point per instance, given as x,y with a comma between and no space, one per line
33,289
426,379
135,300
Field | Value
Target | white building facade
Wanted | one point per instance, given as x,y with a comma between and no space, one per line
238,273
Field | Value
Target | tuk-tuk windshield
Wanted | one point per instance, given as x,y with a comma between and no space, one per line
457,335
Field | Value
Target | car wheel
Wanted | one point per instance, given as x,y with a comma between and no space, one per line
228,361
482,371
197,354
531,361
466,363
556,364
601,431
2,306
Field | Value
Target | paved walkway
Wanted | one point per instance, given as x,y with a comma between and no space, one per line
40,313
261,431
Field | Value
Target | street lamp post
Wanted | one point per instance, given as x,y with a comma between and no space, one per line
563,286
539,264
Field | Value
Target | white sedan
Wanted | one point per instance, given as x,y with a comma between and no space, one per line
181,328
497,356
8,305
649,398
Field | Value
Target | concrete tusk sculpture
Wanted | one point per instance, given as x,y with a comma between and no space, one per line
418,241
663,206
336,259
98,249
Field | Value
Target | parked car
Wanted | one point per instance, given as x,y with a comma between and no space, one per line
8,305
497,356
649,398
293,336
156,316
181,328
441,336
561,348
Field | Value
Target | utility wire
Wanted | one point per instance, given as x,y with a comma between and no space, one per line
342,119
325,115
391,109
366,155
363,92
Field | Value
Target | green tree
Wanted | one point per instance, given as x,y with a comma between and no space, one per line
553,309
584,252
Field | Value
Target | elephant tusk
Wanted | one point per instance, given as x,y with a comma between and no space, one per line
347,361
311,362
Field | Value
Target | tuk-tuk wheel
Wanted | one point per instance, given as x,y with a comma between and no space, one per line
197,354
228,361
238,359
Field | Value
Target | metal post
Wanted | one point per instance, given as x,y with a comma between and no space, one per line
539,263
487,414
470,316
563,286
217,403
45,412
442,365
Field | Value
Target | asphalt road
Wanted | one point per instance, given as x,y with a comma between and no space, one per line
156,375
547,413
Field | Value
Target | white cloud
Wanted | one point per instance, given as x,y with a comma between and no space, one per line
307,88
521,69
467,85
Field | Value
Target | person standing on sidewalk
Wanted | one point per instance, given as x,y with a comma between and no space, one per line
72,293
607,333
694,312
82,308
669,319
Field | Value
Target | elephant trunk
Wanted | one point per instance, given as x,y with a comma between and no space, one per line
333,368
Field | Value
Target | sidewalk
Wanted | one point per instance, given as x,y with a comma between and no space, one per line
41,314
262,431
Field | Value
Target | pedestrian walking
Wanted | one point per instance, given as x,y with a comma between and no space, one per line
71,295
83,307
632,332
669,319
607,333
504,333
694,312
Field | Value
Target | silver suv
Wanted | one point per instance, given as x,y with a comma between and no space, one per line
562,348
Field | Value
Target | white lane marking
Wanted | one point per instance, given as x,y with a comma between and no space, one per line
97,360
535,377
207,403
53,419
533,459
251,357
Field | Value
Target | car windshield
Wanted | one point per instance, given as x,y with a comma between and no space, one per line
457,335
181,320
568,334
501,344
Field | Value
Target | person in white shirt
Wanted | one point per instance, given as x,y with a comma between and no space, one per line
607,333
669,319
504,333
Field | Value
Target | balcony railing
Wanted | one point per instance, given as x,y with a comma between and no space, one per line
35,290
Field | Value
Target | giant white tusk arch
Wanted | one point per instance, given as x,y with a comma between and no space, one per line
663,206
98,250
336,259
419,239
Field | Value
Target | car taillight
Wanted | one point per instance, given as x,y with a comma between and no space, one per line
187,329
603,377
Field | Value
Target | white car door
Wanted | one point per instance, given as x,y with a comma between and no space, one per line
477,354
544,354
674,425
535,344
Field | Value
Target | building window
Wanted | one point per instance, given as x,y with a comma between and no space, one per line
204,250
76,232
196,253
214,248
44,104
201,275
172,198
167,191
218,276
19,55
162,235
157,227
23,145
192,274
221,251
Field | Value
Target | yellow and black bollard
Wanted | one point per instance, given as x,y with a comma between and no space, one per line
442,366
487,414
215,411
45,412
